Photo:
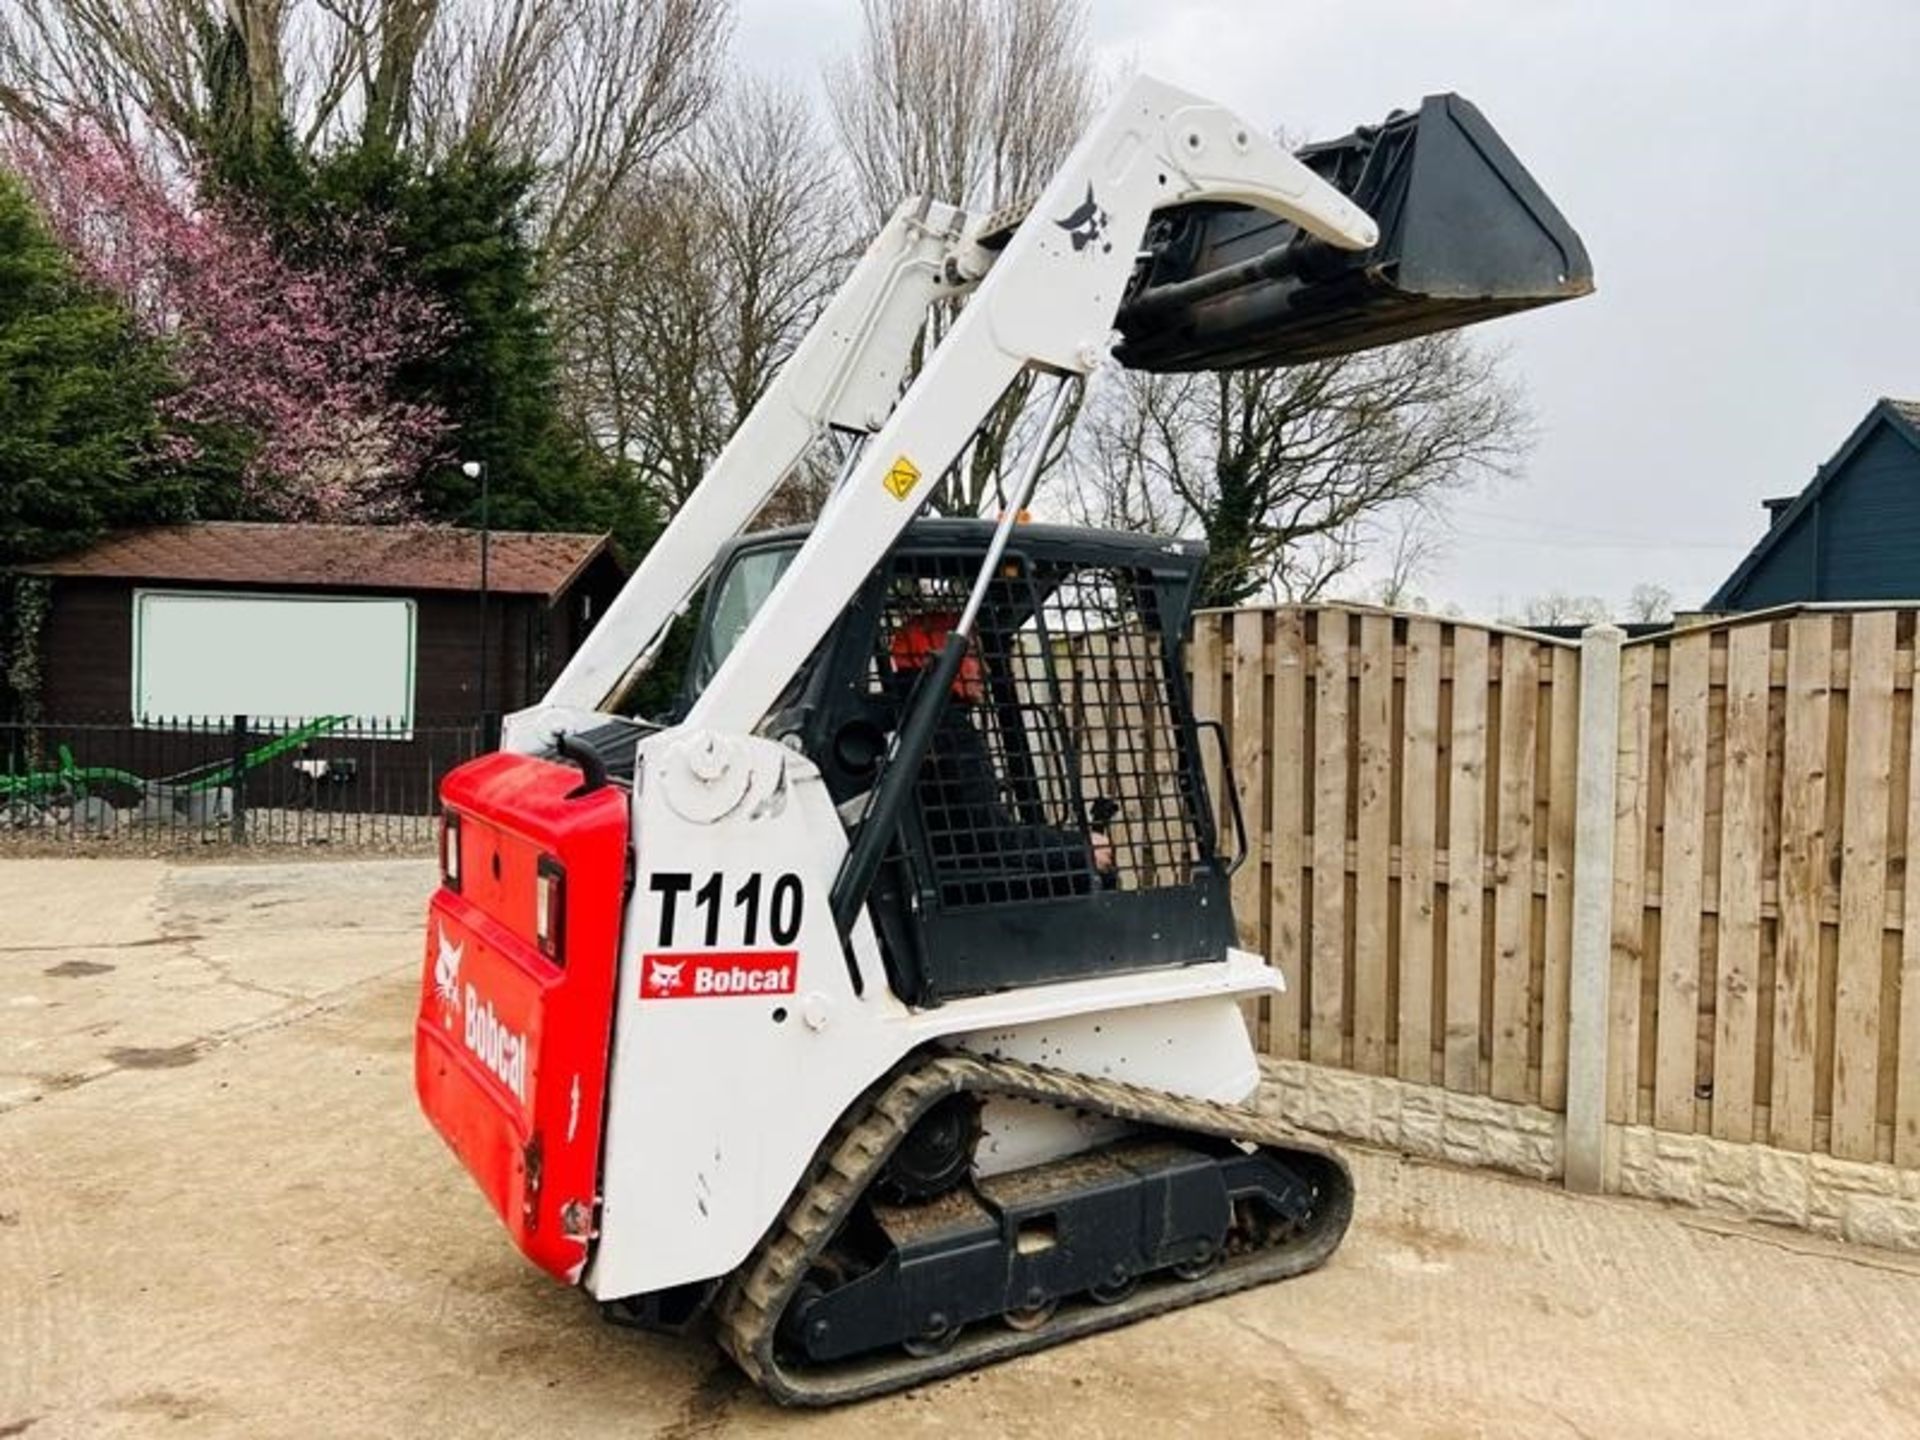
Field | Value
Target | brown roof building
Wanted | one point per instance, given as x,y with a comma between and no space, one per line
364,557
106,655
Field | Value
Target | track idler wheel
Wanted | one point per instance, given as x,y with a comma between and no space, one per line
936,1339
934,1155
1205,1261
1032,1316
1115,1288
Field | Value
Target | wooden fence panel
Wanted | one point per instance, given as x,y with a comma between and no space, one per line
1683,826
1207,677
1331,783
1561,737
1513,868
1743,833
1906,1130
1419,812
1787,798
1466,844
1631,799
1249,642
1863,887
1287,826
1373,827
1803,862
1410,783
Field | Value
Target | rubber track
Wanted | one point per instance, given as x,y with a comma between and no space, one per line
748,1311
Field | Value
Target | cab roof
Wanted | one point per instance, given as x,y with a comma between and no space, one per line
1052,542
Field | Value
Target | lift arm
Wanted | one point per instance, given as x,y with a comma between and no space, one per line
1047,303
1204,243
846,374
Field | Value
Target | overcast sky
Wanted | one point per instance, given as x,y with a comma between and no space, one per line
1746,176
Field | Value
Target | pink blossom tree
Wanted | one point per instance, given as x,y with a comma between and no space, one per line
299,358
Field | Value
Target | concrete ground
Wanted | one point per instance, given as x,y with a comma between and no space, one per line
221,1215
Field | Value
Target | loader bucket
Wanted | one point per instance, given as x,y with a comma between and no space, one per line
1465,235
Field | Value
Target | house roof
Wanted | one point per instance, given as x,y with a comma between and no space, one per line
367,557
1902,415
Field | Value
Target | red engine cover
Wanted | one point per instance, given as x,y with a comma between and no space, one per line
510,1047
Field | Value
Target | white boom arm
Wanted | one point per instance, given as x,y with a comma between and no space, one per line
1048,302
845,373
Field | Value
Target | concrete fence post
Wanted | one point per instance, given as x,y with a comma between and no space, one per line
1586,1146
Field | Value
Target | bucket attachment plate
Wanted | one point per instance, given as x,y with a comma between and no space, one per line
1465,235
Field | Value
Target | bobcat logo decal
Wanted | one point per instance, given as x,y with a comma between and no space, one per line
446,975
664,978
1087,225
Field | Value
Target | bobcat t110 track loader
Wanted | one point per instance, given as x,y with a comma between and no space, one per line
883,1010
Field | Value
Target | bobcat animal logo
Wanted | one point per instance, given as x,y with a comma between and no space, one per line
1087,225
446,974
663,977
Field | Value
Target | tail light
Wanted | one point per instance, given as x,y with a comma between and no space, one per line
550,909
450,849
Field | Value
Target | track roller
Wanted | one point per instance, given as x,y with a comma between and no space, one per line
858,1291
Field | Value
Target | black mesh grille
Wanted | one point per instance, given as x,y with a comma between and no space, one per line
1063,731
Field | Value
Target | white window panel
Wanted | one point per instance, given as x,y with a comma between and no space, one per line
272,657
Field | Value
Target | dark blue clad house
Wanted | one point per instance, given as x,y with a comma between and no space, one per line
1852,534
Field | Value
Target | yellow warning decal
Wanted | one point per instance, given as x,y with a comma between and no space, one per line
902,478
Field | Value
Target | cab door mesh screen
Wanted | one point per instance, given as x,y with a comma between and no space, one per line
1059,766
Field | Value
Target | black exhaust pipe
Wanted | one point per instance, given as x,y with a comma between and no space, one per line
1465,235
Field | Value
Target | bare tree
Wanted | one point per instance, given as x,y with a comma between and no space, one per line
1412,543
595,92
1291,475
590,91
164,68
972,102
707,273
1649,603
1557,607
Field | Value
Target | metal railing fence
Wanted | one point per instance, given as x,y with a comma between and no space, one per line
229,780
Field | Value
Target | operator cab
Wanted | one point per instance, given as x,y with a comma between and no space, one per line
1072,744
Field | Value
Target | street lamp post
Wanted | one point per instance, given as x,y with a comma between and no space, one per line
477,470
